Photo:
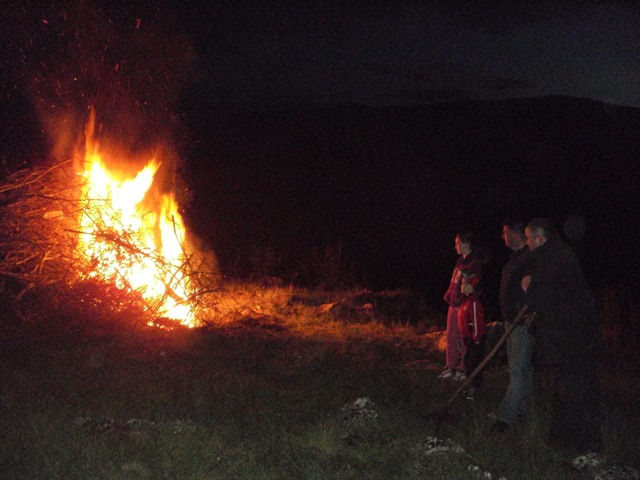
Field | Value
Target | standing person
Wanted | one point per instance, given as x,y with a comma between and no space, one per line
465,317
566,334
517,398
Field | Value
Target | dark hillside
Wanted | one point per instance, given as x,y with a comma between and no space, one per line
393,185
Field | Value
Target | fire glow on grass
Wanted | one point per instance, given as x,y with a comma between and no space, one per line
131,241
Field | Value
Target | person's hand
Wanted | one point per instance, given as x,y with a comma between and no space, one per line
466,288
526,281
453,298
529,319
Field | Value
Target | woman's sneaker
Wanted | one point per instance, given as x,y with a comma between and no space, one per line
460,377
448,373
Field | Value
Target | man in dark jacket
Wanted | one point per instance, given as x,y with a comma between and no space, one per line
517,398
566,335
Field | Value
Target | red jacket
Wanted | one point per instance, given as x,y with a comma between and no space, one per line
471,321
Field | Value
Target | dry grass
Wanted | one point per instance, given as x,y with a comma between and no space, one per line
280,383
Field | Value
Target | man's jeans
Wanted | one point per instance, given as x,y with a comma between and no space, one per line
519,395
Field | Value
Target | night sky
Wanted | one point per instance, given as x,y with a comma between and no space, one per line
409,53
382,128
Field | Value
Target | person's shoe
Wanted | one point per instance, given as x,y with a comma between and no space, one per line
499,426
448,373
460,377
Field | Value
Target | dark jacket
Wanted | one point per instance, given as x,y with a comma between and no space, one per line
566,320
512,297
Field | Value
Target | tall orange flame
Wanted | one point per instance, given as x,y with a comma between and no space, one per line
131,241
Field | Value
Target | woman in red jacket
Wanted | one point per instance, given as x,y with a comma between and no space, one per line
466,329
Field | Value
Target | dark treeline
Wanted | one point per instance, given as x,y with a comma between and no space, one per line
392,186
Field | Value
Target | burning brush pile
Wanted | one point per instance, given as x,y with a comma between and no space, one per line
78,236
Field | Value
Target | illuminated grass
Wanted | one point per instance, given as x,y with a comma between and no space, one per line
296,391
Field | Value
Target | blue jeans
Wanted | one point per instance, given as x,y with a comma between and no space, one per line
519,393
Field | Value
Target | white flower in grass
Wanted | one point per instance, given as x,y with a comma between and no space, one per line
435,445
81,421
139,428
103,424
361,403
134,423
178,426
484,474
360,411
589,460
136,468
617,472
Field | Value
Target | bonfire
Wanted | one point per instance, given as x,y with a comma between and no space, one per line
83,230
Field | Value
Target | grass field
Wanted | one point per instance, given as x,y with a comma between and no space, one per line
280,384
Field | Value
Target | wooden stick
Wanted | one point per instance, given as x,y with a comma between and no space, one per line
488,357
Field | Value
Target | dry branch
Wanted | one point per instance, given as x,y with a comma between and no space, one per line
40,211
